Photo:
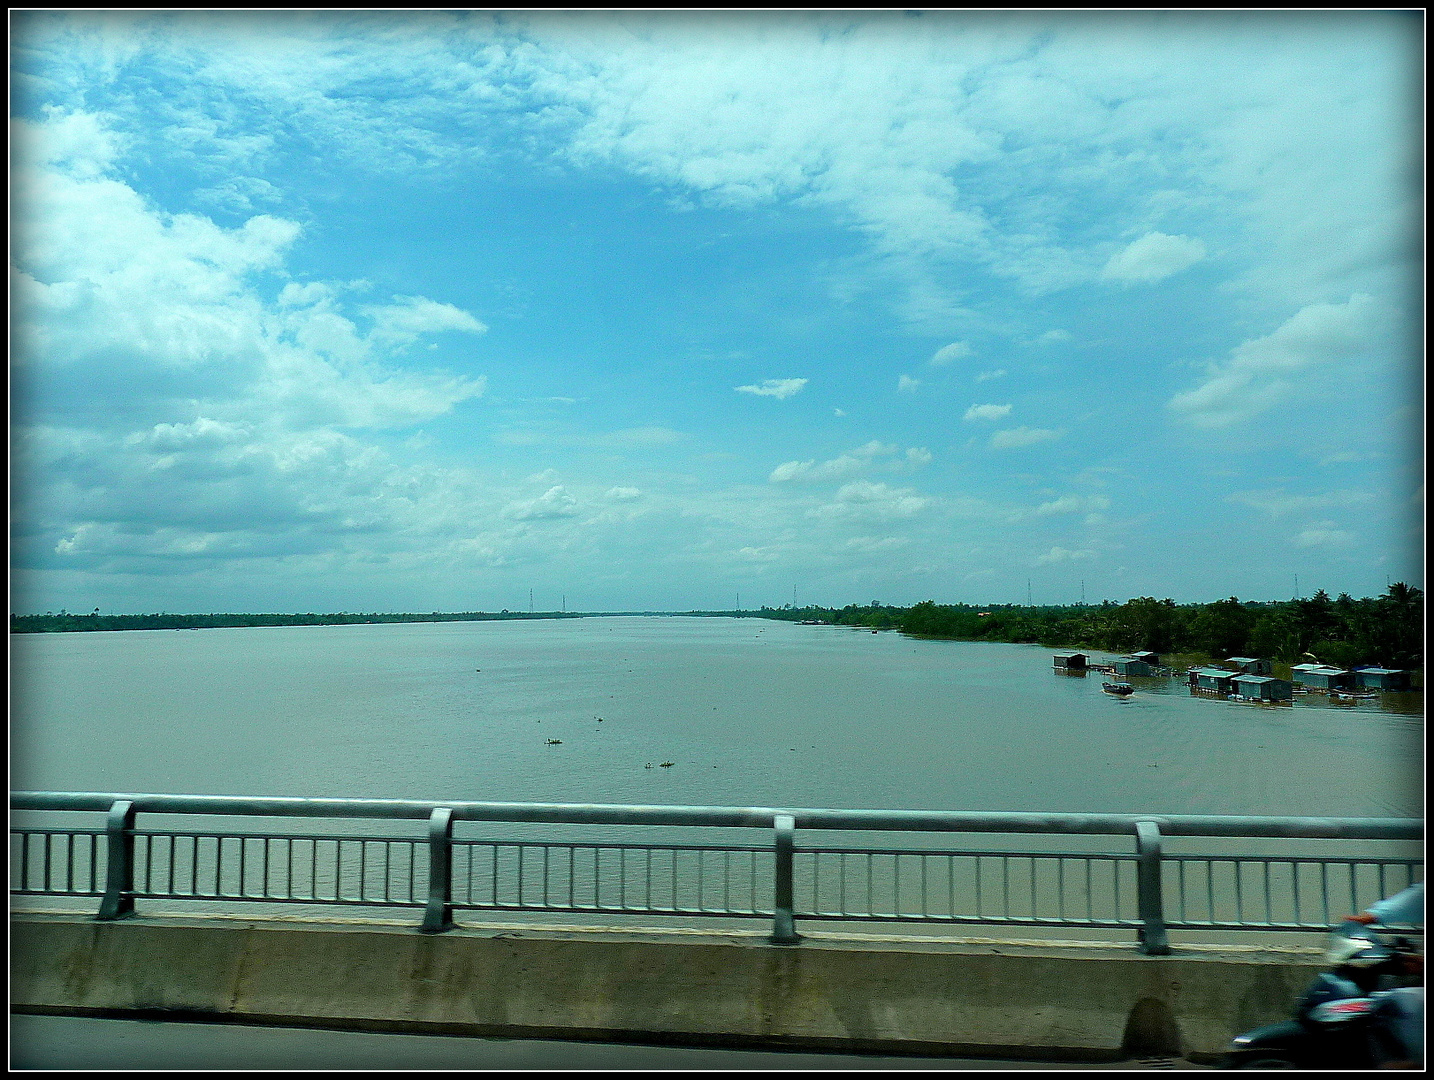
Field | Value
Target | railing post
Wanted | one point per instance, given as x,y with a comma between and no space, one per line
784,931
1149,897
438,916
118,902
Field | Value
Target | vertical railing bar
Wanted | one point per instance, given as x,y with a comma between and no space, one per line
70,862
546,849
979,904
870,902
520,848
495,875
896,884
25,861
950,886
1210,888
1324,891
45,878
1239,891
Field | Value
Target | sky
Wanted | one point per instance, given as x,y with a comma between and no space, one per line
390,311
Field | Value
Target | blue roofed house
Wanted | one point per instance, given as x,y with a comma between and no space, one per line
1263,687
1250,665
1378,678
1216,679
1130,665
1321,677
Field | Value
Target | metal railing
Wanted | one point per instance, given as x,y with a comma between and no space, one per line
1142,888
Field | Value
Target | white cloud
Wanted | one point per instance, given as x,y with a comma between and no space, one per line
874,456
949,354
987,412
1054,335
862,498
1257,375
1325,534
1154,257
623,494
1060,554
987,376
906,384
553,503
1277,503
777,388
1023,436
838,412
1074,504
410,317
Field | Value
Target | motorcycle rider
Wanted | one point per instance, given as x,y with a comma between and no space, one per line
1405,1003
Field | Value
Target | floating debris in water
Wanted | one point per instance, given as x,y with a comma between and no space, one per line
555,742
667,764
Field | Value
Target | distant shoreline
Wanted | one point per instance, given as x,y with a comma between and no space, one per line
67,623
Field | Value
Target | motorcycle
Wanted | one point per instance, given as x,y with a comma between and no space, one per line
1367,1012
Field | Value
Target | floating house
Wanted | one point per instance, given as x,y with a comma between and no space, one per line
1249,665
1263,687
1320,677
1378,678
1129,665
1070,661
1217,680
1151,658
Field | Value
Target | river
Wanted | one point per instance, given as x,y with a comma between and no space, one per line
749,712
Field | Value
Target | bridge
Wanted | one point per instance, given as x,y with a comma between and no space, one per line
1100,934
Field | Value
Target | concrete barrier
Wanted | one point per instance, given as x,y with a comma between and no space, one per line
851,992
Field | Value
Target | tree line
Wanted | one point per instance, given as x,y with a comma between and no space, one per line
66,621
1386,630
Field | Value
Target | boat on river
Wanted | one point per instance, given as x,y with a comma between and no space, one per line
1119,689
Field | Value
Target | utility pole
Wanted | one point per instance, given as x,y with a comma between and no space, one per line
1028,593
565,603
1297,586
530,601
794,596
739,599
1082,592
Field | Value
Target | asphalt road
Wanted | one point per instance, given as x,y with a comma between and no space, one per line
65,1042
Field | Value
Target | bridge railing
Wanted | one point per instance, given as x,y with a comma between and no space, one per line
931,879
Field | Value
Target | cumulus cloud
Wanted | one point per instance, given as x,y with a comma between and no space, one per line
1259,372
777,388
623,494
1154,257
1023,436
906,384
874,456
987,412
553,503
949,354
987,376
863,498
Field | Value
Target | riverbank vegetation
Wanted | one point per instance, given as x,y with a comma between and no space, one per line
1386,630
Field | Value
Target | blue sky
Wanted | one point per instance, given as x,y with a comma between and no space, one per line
389,311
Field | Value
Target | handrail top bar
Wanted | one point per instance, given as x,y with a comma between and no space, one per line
734,816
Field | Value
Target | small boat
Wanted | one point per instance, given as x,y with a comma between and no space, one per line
1119,689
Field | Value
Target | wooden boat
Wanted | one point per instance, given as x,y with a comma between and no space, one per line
1119,689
